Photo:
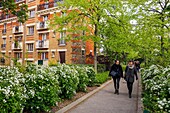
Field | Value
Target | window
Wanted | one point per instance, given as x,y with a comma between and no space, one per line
44,36
44,56
62,38
30,47
18,55
45,17
31,30
4,40
53,54
32,13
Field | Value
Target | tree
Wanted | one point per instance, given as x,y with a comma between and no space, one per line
86,15
153,27
10,7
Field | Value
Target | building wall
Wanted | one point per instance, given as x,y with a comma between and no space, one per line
51,51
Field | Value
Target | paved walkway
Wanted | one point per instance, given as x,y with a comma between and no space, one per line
105,101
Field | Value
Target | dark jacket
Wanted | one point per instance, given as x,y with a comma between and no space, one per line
117,68
130,73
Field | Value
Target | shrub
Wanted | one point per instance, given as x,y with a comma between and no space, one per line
91,75
83,78
11,91
68,80
102,77
101,68
42,88
156,81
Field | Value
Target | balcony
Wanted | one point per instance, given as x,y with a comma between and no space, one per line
42,44
48,5
42,25
18,29
4,31
3,46
61,42
19,1
17,46
2,17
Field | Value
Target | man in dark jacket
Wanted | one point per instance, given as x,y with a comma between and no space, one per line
116,67
130,72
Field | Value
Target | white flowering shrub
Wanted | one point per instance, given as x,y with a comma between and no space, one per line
37,88
83,78
91,75
156,85
68,80
42,88
11,90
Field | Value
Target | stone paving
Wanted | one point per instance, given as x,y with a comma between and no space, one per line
105,101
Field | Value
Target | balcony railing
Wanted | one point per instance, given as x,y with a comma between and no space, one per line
61,42
2,17
18,29
48,5
17,45
42,44
4,31
3,45
42,25
18,1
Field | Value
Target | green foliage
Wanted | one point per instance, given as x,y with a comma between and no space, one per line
101,68
102,77
39,87
156,93
68,80
42,88
10,7
11,90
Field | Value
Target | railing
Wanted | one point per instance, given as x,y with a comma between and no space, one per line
2,17
17,1
42,25
17,45
18,29
42,44
48,5
61,42
3,45
4,31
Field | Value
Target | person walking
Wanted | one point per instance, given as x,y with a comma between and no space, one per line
116,72
130,72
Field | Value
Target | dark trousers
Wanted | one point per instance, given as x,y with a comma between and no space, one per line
130,87
116,81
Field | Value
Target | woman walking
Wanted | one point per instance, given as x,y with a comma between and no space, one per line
130,72
116,72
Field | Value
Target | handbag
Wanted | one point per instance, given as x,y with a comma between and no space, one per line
113,73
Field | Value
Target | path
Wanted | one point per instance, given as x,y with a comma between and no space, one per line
105,101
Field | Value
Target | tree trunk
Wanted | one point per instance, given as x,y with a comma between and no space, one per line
95,48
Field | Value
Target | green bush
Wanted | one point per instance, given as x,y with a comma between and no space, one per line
83,78
11,91
37,88
68,80
102,77
156,93
42,88
101,68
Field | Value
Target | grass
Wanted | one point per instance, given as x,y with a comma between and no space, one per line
102,77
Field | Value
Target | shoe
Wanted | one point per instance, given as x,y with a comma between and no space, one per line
117,92
130,96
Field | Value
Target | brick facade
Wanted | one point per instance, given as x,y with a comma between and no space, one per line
42,45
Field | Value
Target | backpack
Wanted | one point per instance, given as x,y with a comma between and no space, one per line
129,75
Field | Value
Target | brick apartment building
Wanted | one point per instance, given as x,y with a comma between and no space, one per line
42,45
